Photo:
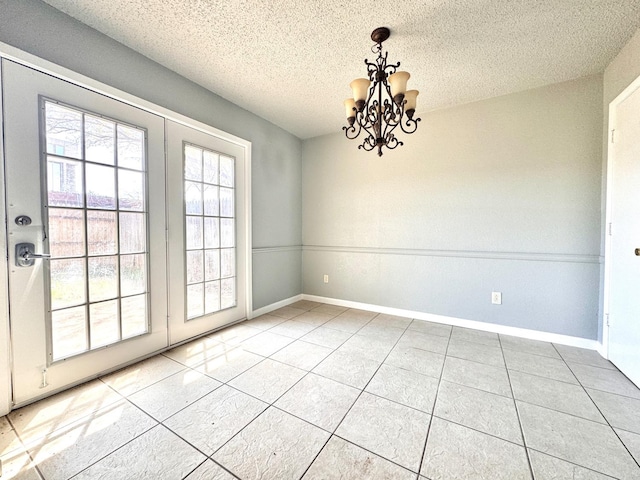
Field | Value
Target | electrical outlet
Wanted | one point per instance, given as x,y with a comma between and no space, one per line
496,298
326,279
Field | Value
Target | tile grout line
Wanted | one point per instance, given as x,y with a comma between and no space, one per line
92,415
515,405
24,448
637,462
118,448
207,457
234,388
433,408
273,403
358,397
572,463
210,457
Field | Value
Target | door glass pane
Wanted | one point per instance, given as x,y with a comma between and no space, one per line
69,332
209,225
211,200
105,327
194,232
226,202
212,264
63,130
210,169
64,182
133,233
67,283
98,270
133,274
195,300
227,293
193,198
227,173
101,186
192,163
66,232
134,316
130,190
102,232
195,271
211,232
131,152
227,232
228,262
99,140
103,278
212,297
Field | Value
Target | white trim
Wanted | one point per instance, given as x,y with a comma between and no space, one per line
460,322
283,248
522,256
5,340
275,306
633,86
248,232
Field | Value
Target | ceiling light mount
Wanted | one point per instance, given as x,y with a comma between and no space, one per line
380,34
380,102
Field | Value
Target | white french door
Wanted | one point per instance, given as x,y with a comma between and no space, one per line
208,233
623,242
85,184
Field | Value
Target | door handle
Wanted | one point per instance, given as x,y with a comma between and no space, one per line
26,256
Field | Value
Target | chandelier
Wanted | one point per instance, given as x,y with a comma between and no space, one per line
381,102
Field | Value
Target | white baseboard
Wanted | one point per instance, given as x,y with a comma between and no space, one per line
460,322
274,306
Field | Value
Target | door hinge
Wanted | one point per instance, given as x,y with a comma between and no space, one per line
613,132
610,229
607,318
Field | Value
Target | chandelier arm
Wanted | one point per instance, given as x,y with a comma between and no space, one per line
411,124
367,144
392,68
393,143
351,132
391,113
372,113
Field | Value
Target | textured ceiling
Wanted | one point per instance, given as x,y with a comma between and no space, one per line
291,61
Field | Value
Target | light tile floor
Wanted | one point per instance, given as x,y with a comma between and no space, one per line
320,392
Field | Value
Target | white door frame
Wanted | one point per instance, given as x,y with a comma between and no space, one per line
633,86
5,340
11,53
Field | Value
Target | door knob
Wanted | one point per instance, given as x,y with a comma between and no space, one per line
25,255
637,252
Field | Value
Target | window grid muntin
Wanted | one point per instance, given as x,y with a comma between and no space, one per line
117,210
203,247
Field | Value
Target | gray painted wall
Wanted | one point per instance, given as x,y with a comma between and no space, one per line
39,29
498,195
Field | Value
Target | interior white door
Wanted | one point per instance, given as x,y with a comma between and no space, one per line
208,233
85,183
624,251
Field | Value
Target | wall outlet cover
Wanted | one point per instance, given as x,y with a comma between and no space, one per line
496,298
